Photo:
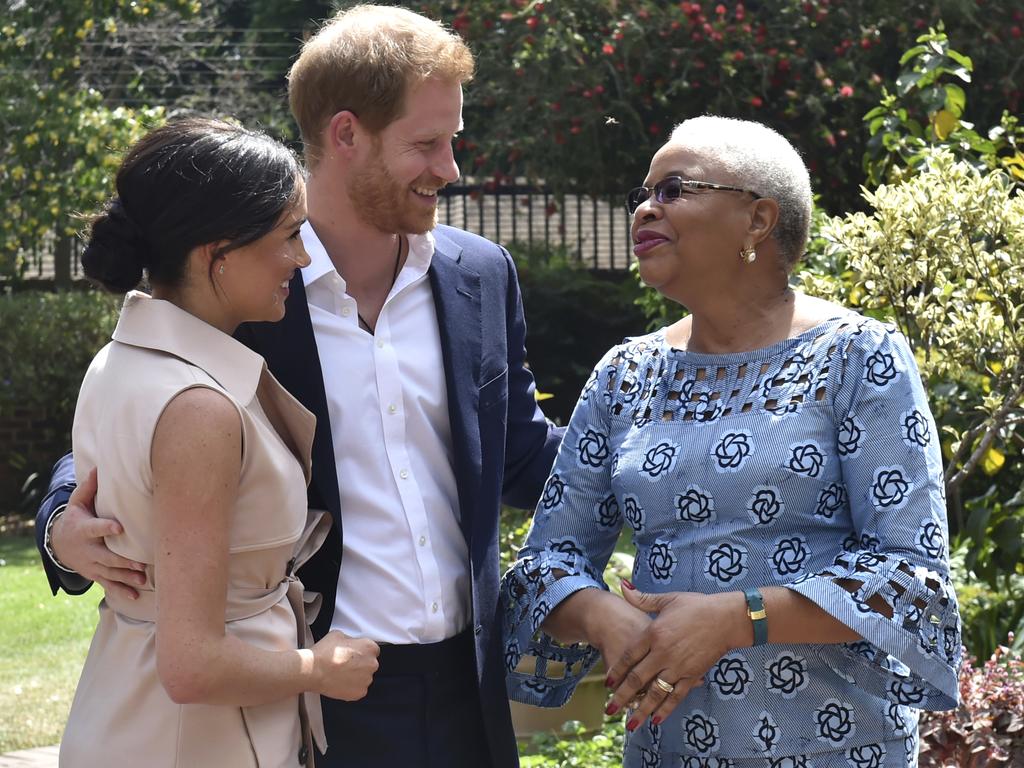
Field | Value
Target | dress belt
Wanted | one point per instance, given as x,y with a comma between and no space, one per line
244,603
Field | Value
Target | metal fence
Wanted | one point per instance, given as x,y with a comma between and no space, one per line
594,230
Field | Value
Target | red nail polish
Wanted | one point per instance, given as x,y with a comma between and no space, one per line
657,720
608,682
632,724
611,709
628,584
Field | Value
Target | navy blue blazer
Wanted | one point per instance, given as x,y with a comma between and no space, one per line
503,445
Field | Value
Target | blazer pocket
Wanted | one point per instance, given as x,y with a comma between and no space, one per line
494,391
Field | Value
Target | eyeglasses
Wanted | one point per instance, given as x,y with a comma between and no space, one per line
672,188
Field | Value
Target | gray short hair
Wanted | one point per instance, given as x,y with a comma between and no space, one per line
759,159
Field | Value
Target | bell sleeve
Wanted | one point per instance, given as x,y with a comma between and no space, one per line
573,534
891,582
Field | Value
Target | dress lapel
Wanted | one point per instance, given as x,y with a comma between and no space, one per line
291,353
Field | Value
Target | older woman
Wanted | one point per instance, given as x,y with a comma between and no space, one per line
775,458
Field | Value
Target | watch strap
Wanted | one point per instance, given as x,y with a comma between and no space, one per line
757,614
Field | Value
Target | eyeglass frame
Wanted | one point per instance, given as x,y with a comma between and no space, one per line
691,184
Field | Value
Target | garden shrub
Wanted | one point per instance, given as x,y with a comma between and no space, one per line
573,316
46,343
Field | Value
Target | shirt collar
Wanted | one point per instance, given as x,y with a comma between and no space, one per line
160,325
421,251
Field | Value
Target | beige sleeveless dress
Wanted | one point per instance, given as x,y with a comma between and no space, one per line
121,715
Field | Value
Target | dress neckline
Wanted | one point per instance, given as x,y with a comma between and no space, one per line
759,354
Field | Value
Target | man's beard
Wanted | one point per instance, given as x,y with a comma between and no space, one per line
382,202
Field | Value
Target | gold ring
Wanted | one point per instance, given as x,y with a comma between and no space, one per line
666,687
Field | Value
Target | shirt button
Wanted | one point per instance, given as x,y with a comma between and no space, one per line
433,608
346,311
423,540
380,343
404,474
392,408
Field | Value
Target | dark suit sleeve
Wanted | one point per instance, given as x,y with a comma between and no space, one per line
62,483
531,441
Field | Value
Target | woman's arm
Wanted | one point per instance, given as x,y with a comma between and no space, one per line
196,459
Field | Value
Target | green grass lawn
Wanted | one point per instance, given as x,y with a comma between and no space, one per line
44,639
43,642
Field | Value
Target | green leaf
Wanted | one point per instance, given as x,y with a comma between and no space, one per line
977,523
956,99
912,53
961,59
906,82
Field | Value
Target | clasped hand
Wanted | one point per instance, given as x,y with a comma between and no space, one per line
688,634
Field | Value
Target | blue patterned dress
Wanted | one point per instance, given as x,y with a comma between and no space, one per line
810,462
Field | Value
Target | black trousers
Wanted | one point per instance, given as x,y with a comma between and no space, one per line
422,711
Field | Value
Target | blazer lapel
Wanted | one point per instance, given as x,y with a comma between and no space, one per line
457,300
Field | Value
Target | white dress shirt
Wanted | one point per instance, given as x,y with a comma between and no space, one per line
405,562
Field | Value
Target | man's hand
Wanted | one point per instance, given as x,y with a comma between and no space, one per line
77,541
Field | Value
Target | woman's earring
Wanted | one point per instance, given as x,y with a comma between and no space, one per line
748,255
220,271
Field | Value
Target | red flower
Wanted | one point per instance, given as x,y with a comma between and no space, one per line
607,49
532,22
638,79
846,91
756,101
739,56
720,9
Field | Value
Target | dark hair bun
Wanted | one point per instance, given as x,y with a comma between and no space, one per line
117,250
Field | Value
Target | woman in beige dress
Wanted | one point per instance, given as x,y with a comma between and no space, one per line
203,458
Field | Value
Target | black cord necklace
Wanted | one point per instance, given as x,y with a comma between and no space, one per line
394,277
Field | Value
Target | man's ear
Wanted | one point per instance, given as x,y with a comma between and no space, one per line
763,217
341,132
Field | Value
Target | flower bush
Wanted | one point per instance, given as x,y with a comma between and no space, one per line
988,728
581,94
